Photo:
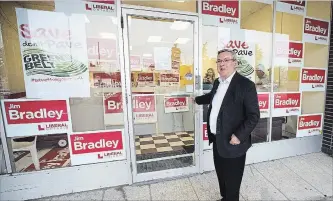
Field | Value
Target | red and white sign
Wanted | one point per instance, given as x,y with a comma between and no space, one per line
107,80
296,7
263,100
169,79
221,13
102,49
286,104
291,50
96,146
36,117
144,108
176,104
90,7
316,31
205,137
135,63
313,79
308,125
146,80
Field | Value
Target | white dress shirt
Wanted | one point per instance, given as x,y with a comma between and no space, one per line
217,102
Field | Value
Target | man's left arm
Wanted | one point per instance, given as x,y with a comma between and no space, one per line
252,113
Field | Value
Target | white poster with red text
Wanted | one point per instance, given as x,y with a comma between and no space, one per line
291,7
316,31
169,79
286,104
107,80
144,108
236,40
263,100
176,104
90,7
54,55
309,125
313,79
36,117
135,63
221,13
97,146
289,53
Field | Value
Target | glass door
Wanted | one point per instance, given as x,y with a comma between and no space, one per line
161,63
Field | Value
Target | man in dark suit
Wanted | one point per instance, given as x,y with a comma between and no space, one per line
232,115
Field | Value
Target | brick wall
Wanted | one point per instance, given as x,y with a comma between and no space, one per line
327,146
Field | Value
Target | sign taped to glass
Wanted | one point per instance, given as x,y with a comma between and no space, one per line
309,125
313,79
292,7
54,55
286,104
316,31
263,101
176,104
289,53
36,117
96,146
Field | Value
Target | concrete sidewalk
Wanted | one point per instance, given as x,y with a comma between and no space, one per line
307,177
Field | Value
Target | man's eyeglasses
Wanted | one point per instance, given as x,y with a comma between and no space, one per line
224,61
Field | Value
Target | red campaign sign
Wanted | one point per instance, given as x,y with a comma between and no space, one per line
263,100
101,49
204,131
291,49
309,122
96,142
295,2
144,103
313,76
221,8
113,103
101,1
169,77
145,77
107,79
287,100
176,102
28,112
316,27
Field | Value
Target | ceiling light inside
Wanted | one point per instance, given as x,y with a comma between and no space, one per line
182,40
154,39
108,35
179,25
147,55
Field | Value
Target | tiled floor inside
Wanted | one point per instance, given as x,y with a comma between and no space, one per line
163,145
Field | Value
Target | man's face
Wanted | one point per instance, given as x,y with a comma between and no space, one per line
225,64
259,73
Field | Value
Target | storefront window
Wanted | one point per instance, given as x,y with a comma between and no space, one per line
62,63
300,67
247,30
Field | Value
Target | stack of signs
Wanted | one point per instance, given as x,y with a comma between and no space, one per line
235,39
107,80
221,13
54,55
308,125
169,79
36,117
146,80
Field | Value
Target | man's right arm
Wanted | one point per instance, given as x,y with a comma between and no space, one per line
205,99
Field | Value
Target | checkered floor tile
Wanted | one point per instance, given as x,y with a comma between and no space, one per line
166,142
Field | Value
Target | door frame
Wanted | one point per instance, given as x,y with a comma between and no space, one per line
158,13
